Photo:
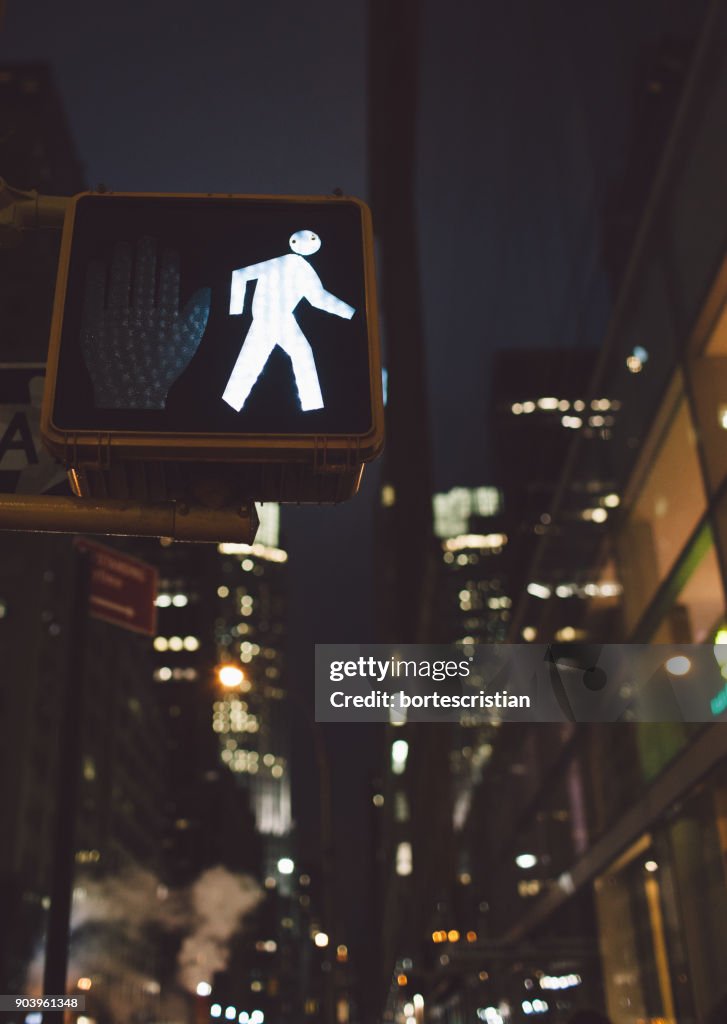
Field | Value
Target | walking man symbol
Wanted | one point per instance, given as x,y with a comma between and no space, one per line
281,284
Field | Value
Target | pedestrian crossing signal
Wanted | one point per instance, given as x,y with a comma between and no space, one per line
225,338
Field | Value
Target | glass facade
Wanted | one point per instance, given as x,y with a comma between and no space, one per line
634,817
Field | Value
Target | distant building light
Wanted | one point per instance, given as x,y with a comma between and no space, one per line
215,1010
609,589
595,515
257,1017
388,496
230,676
475,541
399,754
84,984
453,935
490,1015
528,406
163,601
529,633
564,405
223,591
404,859
454,509
537,1006
418,1001
651,866
678,666
160,643
572,422
402,980
378,800
397,716
526,860
191,643
565,590
286,866
342,954
548,404
230,1013
539,590
516,409
568,634
180,600
266,552
204,988
722,416
611,500
559,981
637,360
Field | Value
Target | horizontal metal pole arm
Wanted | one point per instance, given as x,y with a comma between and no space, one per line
22,210
56,514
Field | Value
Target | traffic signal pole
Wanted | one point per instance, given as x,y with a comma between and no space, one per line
48,513
26,211
58,929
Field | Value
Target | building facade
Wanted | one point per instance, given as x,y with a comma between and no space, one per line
624,824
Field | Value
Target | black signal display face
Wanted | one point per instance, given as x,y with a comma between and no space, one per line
215,316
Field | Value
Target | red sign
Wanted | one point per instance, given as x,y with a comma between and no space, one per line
122,589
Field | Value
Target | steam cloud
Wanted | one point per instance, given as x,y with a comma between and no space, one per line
112,935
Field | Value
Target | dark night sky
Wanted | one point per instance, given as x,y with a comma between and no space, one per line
523,121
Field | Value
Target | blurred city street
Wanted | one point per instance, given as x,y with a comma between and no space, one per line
183,838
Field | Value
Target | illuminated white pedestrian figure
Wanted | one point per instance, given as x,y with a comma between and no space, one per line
281,284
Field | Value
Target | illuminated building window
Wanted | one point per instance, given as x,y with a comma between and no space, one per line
388,496
401,807
671,501
404,859
399,754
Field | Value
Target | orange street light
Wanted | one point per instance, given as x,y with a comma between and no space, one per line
230,676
